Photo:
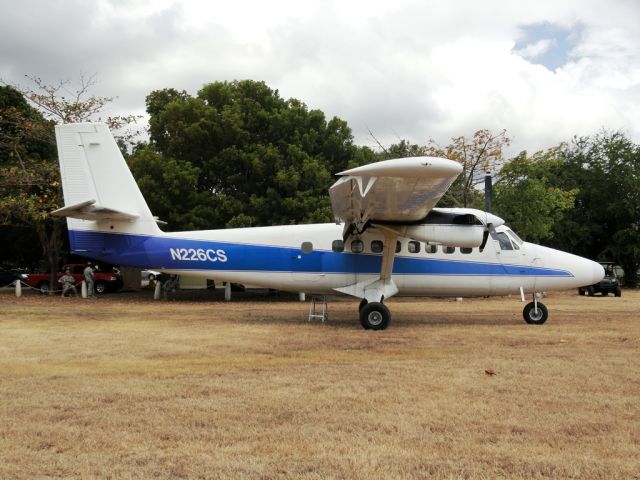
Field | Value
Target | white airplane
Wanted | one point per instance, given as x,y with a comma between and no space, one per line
388,238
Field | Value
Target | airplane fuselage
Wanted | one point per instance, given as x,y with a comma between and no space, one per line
313,259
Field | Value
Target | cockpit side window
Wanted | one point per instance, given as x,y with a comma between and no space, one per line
503,239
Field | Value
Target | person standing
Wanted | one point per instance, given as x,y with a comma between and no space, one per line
88,278
68,283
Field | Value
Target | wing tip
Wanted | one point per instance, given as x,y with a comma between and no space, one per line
408,167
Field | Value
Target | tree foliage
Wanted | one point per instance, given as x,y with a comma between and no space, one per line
527,197
605,220
481,153
64,103
29,174
255,158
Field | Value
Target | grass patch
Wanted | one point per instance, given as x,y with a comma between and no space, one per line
126,387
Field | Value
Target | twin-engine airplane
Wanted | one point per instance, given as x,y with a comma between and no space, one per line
388,238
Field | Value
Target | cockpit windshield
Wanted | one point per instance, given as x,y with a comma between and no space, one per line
514,237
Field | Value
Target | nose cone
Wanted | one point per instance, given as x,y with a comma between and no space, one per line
597,272
588,272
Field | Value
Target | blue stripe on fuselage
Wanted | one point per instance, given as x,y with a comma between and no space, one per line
156,252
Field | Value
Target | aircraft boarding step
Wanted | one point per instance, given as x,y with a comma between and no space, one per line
315,311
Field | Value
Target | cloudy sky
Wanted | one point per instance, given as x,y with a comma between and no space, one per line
544,70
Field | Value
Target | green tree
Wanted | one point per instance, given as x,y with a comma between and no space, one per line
259,159
605,222
29,176
526,197
481,153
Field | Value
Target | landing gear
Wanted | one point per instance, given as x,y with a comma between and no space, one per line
374,316
535,313
362,304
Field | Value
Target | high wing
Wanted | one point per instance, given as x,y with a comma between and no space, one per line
402,190
398,191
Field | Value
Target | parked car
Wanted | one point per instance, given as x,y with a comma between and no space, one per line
8,277
103,281
609,284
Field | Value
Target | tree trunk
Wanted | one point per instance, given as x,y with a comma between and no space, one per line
130,279
630,273
50,241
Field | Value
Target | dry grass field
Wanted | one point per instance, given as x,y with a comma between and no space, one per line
124,387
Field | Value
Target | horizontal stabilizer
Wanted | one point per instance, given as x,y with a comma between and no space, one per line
88,210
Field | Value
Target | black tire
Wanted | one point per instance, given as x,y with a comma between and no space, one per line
375,316
591,291
618,291
530,315
43,287
152,277
581,291
100,287
363,302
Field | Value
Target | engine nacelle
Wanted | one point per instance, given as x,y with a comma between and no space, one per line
453,227
451,235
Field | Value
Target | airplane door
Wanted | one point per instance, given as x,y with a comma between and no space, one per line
514,262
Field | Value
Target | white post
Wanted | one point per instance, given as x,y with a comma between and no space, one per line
301,296
156,292
18,288
227,291
83,289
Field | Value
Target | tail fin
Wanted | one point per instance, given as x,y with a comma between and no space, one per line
100,194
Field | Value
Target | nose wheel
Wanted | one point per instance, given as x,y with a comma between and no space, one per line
535,313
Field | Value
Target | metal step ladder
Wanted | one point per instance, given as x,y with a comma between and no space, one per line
318,308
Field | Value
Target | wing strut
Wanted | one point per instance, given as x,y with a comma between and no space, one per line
377,289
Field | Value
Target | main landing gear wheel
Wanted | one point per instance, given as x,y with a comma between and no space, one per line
362,304
375,316
532,317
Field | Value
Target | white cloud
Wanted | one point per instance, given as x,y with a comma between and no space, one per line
405,69
534,50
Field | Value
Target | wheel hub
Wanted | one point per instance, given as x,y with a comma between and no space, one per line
535,316
375,318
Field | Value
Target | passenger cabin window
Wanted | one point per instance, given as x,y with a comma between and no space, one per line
448,249
376,246
413,246
337,246
431,248
357,246
398,246
503,239
306,247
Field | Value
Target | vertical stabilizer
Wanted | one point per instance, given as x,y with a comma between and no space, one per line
100,193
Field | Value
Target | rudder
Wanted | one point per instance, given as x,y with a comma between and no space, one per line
99,190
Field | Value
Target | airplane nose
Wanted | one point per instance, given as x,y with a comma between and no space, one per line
597,271
586,272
